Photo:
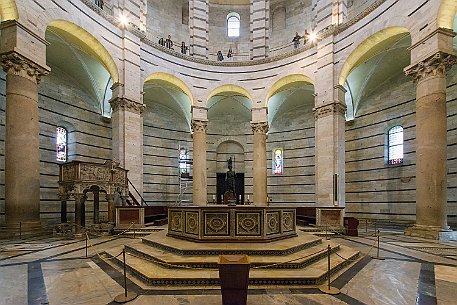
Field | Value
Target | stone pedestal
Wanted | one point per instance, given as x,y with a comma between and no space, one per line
22,152
199,183
431,146
259,170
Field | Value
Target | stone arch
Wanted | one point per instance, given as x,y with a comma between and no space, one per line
446,14
364,50
229,88
173,80
8,10
286,82
90,43
293,81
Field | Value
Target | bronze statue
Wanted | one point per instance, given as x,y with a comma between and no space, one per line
230,177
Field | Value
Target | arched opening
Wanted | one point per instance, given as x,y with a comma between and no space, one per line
290,143
74,96
225,151
229,117
380,96
166,135
233,25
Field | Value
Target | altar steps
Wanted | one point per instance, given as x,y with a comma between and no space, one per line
172,263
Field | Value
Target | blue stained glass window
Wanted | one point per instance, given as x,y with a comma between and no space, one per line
278,166
61,144
395,145
184,162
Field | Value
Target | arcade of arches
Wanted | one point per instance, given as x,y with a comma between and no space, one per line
359,118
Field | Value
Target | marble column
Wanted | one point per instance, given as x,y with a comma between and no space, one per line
111,211
80,212
431,146
96,206
22,152
199,183
259,170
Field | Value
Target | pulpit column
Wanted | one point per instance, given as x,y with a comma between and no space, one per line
199,183
431,145
110,199
80,212
259,170
22,152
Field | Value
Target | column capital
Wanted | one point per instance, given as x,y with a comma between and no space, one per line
259,127
435,65
123,103
329,109
19,65
199,125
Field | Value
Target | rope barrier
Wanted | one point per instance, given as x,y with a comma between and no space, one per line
96,252
289,261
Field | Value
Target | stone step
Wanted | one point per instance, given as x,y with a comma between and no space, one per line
273,248
170,260
313,274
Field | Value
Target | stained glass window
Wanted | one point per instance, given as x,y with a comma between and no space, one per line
278,166
233,25
184,163
61,145
395,142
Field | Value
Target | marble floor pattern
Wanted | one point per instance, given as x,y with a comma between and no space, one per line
55,270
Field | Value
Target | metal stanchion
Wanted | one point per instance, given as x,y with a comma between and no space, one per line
20,230
127,296
327,288
366,225
377,253
86,244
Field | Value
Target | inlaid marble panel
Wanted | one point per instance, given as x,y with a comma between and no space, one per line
192,223
288,221
217,224
272,225
248,224
176,221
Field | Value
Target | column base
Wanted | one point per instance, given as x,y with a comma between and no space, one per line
23,230
431,232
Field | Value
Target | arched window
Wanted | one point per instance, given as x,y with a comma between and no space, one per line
233,25
277,159
395,145
61,144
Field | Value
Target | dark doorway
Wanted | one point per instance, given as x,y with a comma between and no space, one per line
221,187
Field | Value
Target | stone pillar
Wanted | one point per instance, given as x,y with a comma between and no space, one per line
431,146
63,209
199,183
22,152
327,12
111,210
127,130
260,28
96,206
80,211
198,28
259,170
330,152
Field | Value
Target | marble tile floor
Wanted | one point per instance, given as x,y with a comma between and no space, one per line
56,271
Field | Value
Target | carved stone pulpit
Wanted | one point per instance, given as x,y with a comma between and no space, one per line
76,178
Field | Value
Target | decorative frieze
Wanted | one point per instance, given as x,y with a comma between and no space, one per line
199,125
19,65
435,65
329,109
259,127
125,104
